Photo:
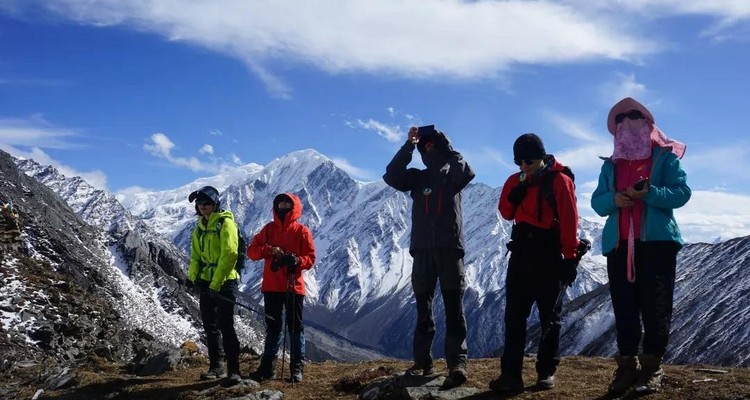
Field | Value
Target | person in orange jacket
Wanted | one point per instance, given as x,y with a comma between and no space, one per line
543,258
287,248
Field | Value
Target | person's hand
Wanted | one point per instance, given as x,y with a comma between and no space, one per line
291,261
569,271
637,194
622,200
517,194
276,252
413,135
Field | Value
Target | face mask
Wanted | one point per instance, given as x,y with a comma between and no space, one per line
433,159
632,140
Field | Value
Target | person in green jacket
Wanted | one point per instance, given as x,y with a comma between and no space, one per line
639,187
213,254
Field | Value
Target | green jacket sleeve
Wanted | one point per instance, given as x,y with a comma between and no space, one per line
672,190
195,256
603,198
228,257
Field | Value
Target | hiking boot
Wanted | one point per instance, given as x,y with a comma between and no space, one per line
416,370
649,379
216,372
625,375
233,372
506,383
546,382
456,377
265,371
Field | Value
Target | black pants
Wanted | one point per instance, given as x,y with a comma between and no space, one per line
446,265
275,302
533,277
218,321
648,299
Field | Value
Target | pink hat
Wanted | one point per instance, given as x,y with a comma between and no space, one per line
623,106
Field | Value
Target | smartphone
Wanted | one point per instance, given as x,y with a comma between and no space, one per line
426,130
640,184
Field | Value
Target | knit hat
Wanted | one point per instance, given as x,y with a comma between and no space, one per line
528,147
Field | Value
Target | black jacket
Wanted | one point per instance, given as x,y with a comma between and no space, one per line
437,221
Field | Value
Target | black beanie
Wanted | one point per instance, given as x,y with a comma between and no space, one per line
528,147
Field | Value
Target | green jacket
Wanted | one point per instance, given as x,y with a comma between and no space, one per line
213,254
668,190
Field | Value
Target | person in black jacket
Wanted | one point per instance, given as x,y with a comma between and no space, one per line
437,244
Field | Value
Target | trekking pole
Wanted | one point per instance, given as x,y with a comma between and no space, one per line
293,308
286,317
228,300
584,245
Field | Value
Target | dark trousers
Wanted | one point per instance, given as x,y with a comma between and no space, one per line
447,266
533,277
218,322
648,299
275,302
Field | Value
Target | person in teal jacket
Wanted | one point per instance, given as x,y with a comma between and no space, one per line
639,187
213,254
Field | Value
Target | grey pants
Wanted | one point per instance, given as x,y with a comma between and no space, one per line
447,266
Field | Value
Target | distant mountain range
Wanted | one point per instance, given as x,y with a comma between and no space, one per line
360,286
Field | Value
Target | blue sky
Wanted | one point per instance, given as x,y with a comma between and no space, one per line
153,94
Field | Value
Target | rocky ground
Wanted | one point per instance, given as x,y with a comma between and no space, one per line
577,378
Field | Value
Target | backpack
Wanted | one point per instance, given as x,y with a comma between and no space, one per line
239,266
547,194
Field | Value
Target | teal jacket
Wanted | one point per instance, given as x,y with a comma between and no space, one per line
668,190
213,255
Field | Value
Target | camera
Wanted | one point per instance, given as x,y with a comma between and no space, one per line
287,259
426,130
640,184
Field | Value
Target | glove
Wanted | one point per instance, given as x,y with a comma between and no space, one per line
189,285
290,260
517,194
569,271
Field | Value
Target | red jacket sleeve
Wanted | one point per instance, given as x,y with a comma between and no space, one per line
259,249
306,255
567,210
506,208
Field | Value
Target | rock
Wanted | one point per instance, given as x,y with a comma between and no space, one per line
414,388
158,364
64,379
262,395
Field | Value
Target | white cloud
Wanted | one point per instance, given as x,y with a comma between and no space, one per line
389,132
27,137
161,146
465,39
624,85
206,149
236,159
355,172
35,131
96,178
574,128
215,132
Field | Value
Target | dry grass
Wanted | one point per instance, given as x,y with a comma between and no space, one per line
577,378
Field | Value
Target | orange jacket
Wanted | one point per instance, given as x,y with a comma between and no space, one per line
291,237
563,189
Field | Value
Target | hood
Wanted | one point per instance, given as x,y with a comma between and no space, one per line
443,148
294,214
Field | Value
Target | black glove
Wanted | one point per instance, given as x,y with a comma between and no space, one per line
517,194
290,260
569,271
189,285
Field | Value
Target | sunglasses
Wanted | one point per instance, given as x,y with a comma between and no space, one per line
525,161
204,203
632,114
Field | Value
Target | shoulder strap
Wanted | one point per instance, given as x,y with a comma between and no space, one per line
547,193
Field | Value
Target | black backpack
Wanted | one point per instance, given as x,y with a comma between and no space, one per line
239,266
547,194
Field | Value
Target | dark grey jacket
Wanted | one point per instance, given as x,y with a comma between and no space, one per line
436,217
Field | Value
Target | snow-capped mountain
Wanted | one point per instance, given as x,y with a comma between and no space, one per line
360,285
